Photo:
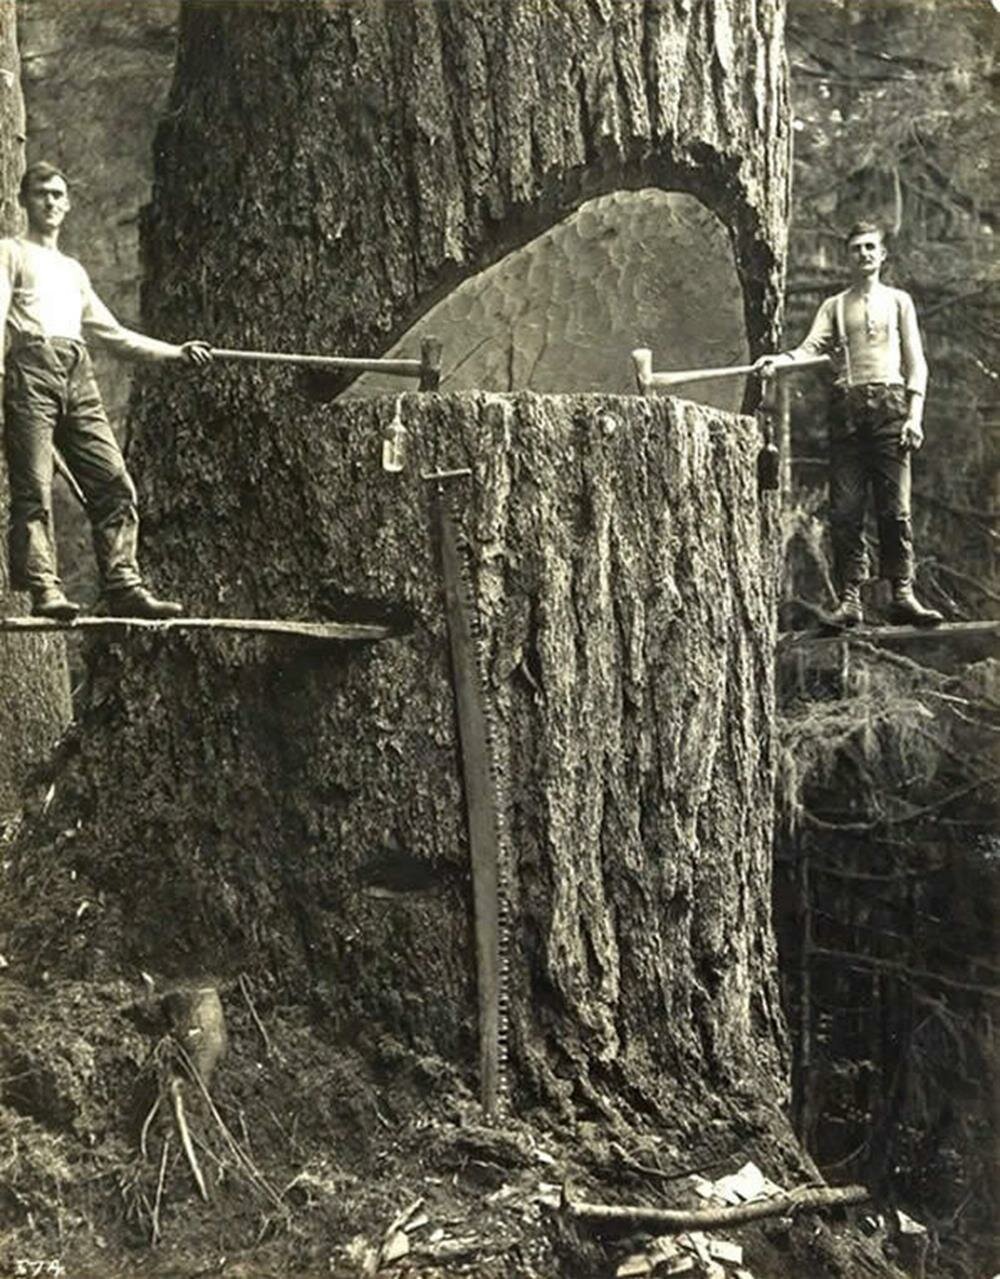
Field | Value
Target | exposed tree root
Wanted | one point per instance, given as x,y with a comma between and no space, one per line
153,1110
177,1099
155,1234
244,986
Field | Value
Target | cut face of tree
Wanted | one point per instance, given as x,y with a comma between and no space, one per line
559,314
325,174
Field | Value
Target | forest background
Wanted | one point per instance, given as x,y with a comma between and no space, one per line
887,873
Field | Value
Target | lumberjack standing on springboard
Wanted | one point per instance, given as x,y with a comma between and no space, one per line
47,304
876,410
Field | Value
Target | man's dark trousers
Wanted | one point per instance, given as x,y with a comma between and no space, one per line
866,424
51,398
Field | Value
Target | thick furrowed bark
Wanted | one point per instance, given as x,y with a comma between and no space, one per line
34,686
407,146
299,812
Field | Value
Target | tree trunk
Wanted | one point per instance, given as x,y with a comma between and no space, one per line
297,811
34,686
388,151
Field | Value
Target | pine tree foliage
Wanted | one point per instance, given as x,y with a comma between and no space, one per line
896,116
889,866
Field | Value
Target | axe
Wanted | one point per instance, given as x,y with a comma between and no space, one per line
427,369
647,380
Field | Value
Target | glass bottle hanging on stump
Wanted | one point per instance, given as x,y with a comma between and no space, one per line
394,441
768,458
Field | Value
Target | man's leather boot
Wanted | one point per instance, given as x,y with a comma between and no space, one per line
137,601
906,609
51,602
848,612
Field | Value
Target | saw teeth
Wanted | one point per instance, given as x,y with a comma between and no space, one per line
497,774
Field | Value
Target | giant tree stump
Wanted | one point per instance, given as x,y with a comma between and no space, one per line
297,811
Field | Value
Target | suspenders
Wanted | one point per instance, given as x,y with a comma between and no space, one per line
840,330
840,333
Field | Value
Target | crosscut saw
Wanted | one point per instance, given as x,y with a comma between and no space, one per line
488,843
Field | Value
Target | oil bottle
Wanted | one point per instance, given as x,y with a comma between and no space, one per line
394,441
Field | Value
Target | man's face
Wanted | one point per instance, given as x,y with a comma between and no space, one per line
47,203
865,253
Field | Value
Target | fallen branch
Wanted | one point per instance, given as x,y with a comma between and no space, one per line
678,1219
967,579
958,793
821,823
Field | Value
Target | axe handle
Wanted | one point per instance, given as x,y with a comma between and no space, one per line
679,376
427,368
642,360
405,368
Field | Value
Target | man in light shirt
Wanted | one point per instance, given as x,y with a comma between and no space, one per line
870,332
48,311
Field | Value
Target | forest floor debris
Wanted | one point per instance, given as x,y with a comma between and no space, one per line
323,1154
353,1175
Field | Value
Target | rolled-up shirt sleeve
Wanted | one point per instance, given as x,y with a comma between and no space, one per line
911,347
822,336
99,324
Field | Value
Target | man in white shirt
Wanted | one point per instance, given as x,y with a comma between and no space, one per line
870,331
48,309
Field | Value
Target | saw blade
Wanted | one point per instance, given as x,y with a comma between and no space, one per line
487,826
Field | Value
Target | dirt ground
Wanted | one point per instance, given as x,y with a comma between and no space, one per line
320,1154
310,1150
